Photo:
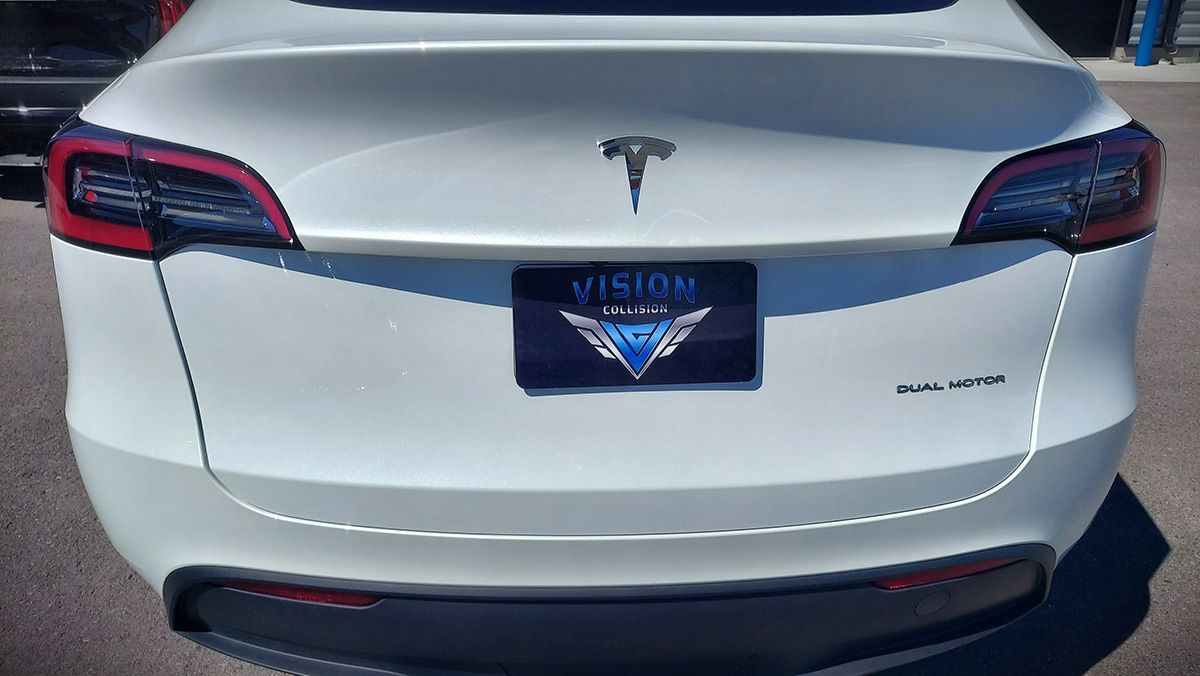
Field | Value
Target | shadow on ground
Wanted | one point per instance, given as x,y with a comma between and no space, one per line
1099,597
21,184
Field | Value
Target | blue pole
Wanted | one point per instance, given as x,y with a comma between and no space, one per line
1149,32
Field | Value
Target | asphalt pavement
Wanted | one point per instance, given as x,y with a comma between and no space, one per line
1126,600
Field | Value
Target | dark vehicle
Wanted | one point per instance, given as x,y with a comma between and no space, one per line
56,55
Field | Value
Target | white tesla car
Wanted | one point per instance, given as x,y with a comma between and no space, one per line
496,336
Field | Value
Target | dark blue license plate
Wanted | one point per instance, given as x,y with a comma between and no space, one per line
621,325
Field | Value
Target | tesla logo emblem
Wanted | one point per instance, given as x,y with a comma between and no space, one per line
636,149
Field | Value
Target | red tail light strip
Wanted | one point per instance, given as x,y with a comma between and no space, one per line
310,594
147,198
77,226
1149,163
1097,191
1019,167
218,167
940,574
169,13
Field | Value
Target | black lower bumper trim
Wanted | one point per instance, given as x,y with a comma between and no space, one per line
781,626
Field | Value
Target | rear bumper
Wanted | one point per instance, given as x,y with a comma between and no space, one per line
784,626
164,512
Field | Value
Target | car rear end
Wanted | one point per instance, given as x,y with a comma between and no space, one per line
499,341
56,56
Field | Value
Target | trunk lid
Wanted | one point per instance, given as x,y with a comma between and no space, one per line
422,158
380,391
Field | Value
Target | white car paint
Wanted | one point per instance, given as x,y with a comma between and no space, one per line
386,133
349,410
363,355
147,474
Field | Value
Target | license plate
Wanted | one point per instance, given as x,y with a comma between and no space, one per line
635,325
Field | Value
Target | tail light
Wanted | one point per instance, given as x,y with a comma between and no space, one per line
940,574
140,197
169,14
1093,192
333,597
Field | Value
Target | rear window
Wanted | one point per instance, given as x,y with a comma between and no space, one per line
646,7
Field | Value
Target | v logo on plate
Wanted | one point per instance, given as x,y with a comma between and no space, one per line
636,346
636,342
